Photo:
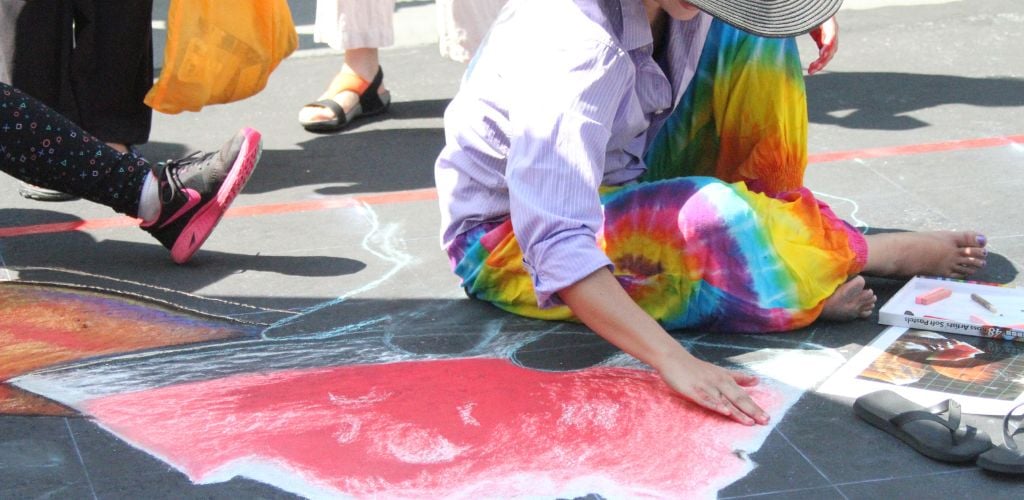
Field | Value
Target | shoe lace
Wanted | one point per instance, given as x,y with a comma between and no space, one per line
170,169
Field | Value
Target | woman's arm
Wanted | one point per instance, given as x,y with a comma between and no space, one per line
603,305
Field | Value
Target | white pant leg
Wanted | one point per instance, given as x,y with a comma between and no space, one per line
462,24
354,24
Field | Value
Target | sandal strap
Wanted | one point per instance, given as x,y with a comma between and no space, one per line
952,421
369,93
347,81
331,104
370,98
1009,437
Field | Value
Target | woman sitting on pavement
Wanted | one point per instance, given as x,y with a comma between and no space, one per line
637,165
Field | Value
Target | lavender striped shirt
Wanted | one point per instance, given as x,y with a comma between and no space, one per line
563,97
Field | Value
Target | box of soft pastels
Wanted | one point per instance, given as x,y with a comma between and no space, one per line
957,306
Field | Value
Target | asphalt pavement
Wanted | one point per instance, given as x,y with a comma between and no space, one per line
917,124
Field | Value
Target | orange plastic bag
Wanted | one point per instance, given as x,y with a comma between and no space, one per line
220,52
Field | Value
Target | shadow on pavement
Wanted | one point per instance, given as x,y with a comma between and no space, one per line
880,100
124,259
373,161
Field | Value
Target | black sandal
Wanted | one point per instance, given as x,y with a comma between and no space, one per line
371,102
944,439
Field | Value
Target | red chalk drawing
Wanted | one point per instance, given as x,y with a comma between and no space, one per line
478,427
447,428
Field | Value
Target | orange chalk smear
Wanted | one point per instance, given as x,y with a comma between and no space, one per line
42,326
933,296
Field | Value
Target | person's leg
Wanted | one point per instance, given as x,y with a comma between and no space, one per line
955,254
44,148
112,69
359,28
179,202
696,252
195,191
742,118
356,77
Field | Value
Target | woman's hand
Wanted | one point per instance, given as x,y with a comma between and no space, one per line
826,37
713,387
603,305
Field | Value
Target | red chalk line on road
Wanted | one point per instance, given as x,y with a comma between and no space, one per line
937,147
245,211
431,194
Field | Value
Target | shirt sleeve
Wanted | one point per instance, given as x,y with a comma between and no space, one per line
561,122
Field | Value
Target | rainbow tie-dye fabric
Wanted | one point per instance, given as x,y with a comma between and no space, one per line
743,118
720,235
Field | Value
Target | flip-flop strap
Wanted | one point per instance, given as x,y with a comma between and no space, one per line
952,421
1009,440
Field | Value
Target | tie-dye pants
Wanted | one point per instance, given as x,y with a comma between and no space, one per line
720,234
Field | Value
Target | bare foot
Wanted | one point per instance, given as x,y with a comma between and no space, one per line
952,254
849,302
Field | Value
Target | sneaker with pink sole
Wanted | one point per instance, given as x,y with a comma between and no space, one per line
195,191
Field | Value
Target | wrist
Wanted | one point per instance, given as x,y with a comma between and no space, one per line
674,354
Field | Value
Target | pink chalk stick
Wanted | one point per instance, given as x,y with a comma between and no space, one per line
933,296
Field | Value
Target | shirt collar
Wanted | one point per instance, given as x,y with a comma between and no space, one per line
636,30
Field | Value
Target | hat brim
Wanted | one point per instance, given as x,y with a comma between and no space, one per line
771,18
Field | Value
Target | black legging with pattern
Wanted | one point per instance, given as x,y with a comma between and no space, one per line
42,147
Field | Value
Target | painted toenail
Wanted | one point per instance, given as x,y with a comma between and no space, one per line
982,240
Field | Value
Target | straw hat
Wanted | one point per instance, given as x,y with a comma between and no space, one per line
771,18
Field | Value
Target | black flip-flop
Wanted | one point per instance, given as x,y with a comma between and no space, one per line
371,102
943,439
1008,458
